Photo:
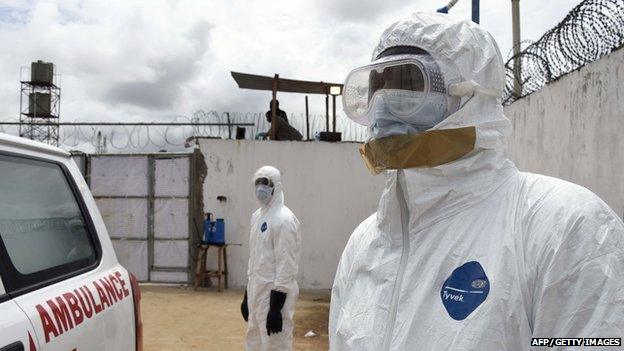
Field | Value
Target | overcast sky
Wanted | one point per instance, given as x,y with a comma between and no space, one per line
152,60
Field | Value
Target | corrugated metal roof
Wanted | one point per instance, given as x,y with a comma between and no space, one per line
256,82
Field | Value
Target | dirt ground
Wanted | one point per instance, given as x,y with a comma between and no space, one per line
180,318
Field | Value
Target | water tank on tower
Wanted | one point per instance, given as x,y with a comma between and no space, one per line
39,104
42,73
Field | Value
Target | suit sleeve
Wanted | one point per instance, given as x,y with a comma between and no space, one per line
286,247
252,222
342,282
580,287
337,295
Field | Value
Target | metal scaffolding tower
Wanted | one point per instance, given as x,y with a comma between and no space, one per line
40,103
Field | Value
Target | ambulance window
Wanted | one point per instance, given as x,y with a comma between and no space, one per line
42,228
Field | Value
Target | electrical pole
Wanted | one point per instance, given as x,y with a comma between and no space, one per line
515,22
475,11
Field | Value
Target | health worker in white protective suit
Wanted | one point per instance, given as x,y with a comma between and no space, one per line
464,252
275,247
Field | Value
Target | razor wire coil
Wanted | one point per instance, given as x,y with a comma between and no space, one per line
589,31
142,138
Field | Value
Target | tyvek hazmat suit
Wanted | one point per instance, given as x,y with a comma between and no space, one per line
275,246
469,253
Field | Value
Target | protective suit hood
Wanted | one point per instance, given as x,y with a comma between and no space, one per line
475,55
461,42
272,174
477,58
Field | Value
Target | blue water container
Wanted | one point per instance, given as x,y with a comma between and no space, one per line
214,232
208,230
218,237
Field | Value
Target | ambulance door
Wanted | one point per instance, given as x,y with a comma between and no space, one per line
76,296
16,331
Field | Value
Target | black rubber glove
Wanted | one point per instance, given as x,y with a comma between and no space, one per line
274,318
244,308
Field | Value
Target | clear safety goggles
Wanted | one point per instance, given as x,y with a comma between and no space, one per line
407,83
403,83
263,181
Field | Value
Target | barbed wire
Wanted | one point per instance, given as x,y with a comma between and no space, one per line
591,30
175,138
350,130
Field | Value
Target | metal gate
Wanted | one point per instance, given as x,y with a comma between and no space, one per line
151,204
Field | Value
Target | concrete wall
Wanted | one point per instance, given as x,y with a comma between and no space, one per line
574,129
571,129
326,185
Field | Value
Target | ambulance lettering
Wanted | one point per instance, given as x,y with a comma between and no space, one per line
31,343
67,311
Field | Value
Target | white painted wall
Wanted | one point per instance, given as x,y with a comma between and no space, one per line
326,185
571,129
574,129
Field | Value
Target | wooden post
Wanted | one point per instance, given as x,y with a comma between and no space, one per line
334,112
307,119
225,268
230,125
326,112
273,107
151,213
219,267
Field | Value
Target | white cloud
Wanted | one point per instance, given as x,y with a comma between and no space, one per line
154,59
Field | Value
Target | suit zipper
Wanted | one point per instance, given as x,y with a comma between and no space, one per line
403,262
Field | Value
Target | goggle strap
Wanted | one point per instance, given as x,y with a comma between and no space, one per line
401,50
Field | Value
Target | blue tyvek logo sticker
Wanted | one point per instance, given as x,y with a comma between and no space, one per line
263,227
465,290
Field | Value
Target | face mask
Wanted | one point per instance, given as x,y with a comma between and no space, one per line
264,193
388,112
432,110
384,123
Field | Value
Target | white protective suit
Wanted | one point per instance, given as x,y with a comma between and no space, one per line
275,247
473,254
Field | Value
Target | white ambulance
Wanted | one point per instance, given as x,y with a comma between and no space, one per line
61,286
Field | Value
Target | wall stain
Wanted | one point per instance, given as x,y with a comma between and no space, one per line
230,167
215,162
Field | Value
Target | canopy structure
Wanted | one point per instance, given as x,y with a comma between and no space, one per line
275,84
256,82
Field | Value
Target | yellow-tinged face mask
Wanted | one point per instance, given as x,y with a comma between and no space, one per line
427,149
